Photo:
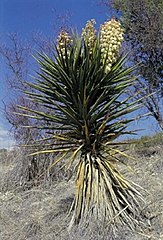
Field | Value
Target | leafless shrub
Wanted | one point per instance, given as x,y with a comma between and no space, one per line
20,65
22,172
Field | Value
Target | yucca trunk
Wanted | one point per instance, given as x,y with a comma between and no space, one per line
102,192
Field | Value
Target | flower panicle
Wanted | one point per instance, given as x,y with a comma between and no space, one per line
89,34
64,41
111,37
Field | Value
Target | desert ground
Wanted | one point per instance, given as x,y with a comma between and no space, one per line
41,212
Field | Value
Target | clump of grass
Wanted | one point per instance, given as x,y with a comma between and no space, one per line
150,141
147,145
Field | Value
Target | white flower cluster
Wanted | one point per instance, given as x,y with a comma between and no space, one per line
64,40
110,39
89,34
111,36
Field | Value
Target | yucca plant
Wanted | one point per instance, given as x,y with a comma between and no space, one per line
82,91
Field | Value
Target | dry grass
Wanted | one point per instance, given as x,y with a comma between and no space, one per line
41,213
